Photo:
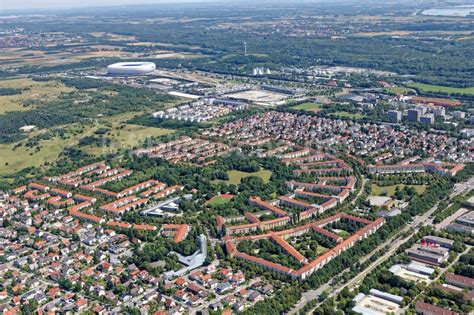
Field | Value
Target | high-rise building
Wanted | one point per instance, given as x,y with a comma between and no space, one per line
439,111
414,115
394,116
459,114
422,109
427,119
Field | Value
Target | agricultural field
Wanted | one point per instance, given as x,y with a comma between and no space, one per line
17,58
392,33
236,176
32,90
441,89
310,107
389,191
13,57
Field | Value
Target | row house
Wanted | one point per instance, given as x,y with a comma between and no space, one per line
136,188
155,189
290,250
60,192
256,201
168,191
87,217
318,262
124,204
40,187
36,195
294,203
56,201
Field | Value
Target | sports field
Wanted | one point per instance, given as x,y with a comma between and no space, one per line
219,200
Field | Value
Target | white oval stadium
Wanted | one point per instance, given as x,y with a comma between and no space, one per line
131,68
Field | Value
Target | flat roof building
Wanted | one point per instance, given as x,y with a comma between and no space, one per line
427,254
467,219
441,241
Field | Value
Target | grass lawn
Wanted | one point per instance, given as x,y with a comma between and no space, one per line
307,107
343,234
439,88
321,250
33,90
236,176
389,191
347,115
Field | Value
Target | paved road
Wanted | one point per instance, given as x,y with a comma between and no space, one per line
451,218
361,191
391,245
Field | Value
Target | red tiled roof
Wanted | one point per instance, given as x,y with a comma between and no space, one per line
144,227
432,309
267,206
288,248
464,281
122,225
181,231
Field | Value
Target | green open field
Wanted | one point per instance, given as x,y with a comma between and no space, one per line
439,88
343,234
13,160
122,136
307,107
397,90
389,191
48,90
236,176
343,114
125,137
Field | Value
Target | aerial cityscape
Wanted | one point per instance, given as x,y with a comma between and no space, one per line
237,157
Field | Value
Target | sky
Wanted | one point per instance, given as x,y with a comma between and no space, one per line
57,4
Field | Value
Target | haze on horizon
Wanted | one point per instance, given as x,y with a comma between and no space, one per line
65,4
